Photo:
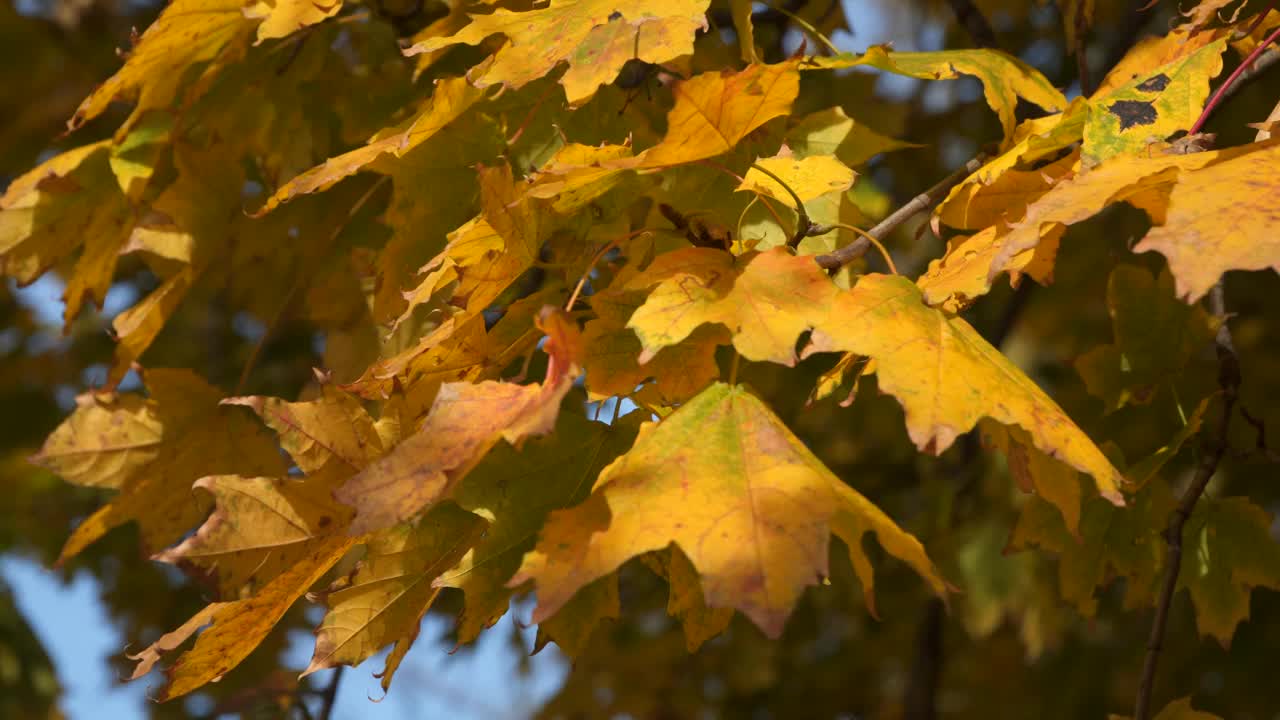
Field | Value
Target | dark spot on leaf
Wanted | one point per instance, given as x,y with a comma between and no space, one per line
1155,84
325,520
615,15
1133,112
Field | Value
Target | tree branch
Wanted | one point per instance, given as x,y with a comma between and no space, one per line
330,695
1214,446
858,248
975,23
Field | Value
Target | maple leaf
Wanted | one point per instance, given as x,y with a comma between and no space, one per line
465,422
685,600
947,377
1155,337
386,596
612,352
237,627
123,442
765,300
1124,119
809,177
1228,550
1004,77
1199,246
71,201
595,37
452,97
281,18
756,513
1111,542
187,33
261,528
514,490
572,626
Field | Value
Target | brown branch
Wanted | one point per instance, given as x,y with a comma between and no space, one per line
975,23
920,699
330,695
1213,447
920,203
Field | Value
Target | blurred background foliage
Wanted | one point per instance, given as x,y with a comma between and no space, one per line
1007,647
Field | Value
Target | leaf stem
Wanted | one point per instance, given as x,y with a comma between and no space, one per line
1225,89
1214,444
858,248
803,224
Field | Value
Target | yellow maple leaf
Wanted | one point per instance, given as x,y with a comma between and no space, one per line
947,377
1004,77
1194,235
281,18
756,512
187,33
808,177
766,300
237,627
384,600
595,37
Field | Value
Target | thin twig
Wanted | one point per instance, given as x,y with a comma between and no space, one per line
1213,447
884,252
803,224
1224,90
920,203
330,695
975,23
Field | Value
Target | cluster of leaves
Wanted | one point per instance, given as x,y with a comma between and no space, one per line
600,201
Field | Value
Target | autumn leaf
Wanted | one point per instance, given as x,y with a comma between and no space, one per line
595,38
612,352
572,626
514,490
465,422
685,600
236,627
121,441
385,598
1155,336
1229,550
765,300
1005,78
72,201
1154,105
947,377
188,32
1191,234
261,528
281,18
757,511
1111,542
808,177
452,97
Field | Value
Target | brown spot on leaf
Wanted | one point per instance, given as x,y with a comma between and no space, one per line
1133,113
1155,84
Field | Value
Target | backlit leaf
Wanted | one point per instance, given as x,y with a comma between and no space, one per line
947,377
757,511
